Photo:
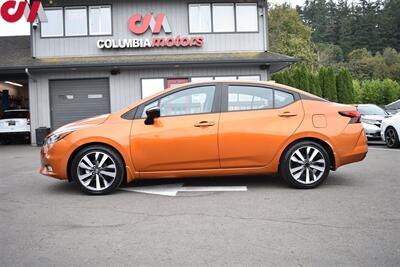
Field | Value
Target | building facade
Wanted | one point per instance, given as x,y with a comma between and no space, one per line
95,57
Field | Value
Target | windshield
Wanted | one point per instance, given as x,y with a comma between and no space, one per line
371,110
18,114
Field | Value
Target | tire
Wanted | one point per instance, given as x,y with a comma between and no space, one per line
305,165
97,170
391,137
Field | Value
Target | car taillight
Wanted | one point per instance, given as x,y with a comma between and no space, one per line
355,116
28,118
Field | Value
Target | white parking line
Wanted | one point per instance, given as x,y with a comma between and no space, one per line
173,189
384,149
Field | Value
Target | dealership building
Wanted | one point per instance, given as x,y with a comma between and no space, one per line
96,57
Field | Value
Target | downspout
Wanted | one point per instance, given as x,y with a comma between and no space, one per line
29,74
266,26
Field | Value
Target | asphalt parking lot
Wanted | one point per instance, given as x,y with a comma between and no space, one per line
351,220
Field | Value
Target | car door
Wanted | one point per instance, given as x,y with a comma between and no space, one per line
184,137
255,122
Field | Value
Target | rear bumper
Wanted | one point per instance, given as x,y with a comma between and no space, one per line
356,153
14,134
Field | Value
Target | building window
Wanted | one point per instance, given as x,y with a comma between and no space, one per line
202,79
152,86
246,17
76,21
249,98
200,18
223,18
55,25
226,17
225,78
100,20
249,78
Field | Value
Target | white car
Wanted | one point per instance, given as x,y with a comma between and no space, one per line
15,124
371,119
390,131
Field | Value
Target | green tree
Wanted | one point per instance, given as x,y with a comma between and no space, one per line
329,84
389,24
329,54
315,87
380,92
344,86
289,35
357,92
321,80
304,79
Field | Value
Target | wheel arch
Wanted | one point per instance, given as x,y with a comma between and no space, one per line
83,146
321,142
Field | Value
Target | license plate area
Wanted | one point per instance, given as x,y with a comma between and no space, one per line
11,123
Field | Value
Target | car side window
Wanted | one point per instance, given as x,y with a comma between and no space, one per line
190,101
283,99
243,97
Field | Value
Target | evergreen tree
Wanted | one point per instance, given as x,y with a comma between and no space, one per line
389,24
344,26
277,77
344,85
304,82
321,80
290,79
315,87
329,90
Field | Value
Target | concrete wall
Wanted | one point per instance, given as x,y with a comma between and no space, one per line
125,87
122,10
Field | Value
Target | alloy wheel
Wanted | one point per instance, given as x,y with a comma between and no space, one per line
96,171
307,165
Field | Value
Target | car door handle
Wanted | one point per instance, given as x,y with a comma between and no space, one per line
204,124
287,114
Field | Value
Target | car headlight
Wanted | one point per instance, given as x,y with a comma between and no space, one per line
57,136
370,121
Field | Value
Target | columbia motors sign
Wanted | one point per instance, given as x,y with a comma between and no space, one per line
139,25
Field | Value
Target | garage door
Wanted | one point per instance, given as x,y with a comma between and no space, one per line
73,100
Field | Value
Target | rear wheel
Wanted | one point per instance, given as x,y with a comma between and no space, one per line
97,170
392,138
305,165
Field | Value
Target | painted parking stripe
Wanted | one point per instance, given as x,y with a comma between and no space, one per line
174,189
384,149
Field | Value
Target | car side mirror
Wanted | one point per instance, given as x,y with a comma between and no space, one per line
152,113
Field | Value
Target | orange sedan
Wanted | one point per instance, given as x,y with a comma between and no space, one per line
209,129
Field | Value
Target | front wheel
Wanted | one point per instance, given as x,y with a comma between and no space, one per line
97,170
392,138
305,165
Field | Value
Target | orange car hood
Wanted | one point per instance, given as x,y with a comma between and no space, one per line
84,123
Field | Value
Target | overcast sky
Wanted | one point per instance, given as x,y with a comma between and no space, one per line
22,27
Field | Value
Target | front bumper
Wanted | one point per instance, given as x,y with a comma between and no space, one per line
372,131
54,163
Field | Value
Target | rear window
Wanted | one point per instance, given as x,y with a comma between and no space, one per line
15,115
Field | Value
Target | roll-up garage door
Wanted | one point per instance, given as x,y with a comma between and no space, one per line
73,100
